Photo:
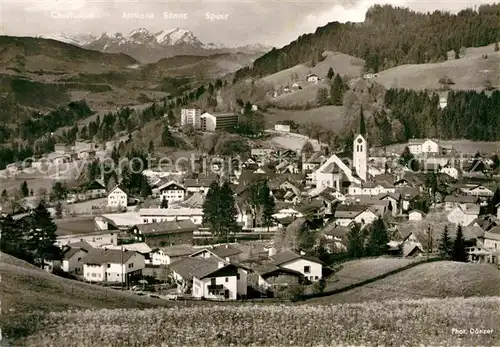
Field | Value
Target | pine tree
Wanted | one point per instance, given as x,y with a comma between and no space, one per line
268,206
115,156
330,73
497,48
377,242
42,233
151,147
355,242
24,189
227,202
322,97
166,136
164,203
4,196
445,244
337,91
459,252
494,201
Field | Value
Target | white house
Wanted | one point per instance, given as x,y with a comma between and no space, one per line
344,215
288,212
312,78
94,239
117,197
191,116
210,278
476,190
491,241
423,146
72,257
197,185
310,267
284,128
167,255
371,188
415,215
450,171
112,265
464,214
172,192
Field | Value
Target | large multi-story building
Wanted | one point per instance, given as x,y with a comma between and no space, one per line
218,121
191,116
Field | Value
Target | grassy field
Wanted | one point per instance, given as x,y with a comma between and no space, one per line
330,117
343,64
468,72
439,279
28,293
356,271
387,323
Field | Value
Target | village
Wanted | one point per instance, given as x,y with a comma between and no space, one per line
162,245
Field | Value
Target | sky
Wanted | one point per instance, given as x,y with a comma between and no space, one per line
233,23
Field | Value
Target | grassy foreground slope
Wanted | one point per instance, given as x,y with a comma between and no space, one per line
388,323
28,293
438,279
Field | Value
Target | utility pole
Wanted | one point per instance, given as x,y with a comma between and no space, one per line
429,242
123,280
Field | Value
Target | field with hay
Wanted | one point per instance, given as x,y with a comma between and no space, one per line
429,280
386,323
356,271
28,293
341,63
471,71
330,117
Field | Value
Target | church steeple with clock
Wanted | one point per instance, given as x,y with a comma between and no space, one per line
360,150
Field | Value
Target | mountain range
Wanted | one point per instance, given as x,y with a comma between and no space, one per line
149,47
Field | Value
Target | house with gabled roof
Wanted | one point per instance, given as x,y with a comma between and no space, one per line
464,214
96,189
112,265
345,215
453,201
72,256
118,197
164,233
310,267
169,254
224,252
172,192
209,278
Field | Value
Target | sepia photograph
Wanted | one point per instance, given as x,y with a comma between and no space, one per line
260,173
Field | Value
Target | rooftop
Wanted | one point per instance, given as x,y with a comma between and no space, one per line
171,227
98,256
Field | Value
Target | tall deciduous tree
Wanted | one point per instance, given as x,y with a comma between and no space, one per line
219,211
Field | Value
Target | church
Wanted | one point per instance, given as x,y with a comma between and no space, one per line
340,173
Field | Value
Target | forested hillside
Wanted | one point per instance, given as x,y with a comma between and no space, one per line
389,37
416,114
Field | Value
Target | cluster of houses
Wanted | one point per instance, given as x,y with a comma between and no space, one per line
331,192
311,78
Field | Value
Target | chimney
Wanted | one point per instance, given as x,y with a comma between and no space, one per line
220,265
227,246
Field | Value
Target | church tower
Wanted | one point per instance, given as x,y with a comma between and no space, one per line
360,150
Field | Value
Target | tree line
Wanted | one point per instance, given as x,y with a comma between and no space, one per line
409,37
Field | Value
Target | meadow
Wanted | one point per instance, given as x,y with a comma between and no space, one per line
387,323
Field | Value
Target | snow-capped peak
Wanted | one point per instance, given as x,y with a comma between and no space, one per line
213,45
177,36
77,40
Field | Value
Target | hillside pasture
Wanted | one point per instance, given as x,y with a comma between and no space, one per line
357,271
330,117
427,322
468,73
341,63
302,97
430,280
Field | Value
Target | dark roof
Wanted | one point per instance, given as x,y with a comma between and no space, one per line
197,267
70,252
336,230
310,208
461,199
225,251
96,184
168,227
201,182
269,270
288,256
125,190
349,211
178,250
100,256
82,244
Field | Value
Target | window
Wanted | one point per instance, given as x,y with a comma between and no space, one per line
315,277
238,275
131,265
227,279
109,265
307,269
93,274
212,281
